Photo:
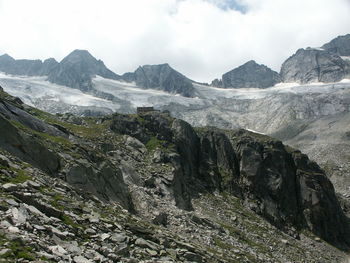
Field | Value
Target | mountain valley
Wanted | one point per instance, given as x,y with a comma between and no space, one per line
218,173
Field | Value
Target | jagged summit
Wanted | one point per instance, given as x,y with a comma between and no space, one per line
340,45
79,55
161,77
249,75
313,65
77,70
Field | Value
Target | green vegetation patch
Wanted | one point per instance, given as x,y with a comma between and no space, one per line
16,250
153,143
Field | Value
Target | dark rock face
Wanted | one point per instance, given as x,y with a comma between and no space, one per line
288,188
279,183
27,148
25,67
105,181
267,171
313,65
77,69
21,144
161,77
250,75
340,45
321,209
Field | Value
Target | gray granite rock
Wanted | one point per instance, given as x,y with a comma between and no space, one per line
77,69
340,45
161,77
313,65
26,67
249,75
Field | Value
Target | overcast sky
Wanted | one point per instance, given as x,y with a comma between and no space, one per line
200,38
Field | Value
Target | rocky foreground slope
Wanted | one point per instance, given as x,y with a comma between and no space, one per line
151,188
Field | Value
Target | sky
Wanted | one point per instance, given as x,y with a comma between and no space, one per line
200,38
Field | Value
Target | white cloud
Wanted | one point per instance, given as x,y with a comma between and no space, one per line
200,38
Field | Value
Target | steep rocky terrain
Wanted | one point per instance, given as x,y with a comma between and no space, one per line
340,45
161,77
314,65
249,75
77,69
151,188
325,140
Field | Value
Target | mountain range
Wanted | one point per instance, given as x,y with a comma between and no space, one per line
327,64
195,186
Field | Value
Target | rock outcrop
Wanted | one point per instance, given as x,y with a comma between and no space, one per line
290,189
340,45
161,77
313,65
250,75
149,187
26,67
280,183
77,70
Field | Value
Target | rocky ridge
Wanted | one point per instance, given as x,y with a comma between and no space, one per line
25,66
314,65
161,77
250,75
77,69
171,181
327,64
340,45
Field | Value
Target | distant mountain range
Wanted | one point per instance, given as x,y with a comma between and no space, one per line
79,68
330,63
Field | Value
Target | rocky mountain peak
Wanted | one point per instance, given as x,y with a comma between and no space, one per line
79,56
162,77
340,45
313,65
77,70
6,57
250,75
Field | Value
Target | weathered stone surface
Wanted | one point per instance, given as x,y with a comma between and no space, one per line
250,75
27,147
313,65
340,45
77,69
161,77
25,67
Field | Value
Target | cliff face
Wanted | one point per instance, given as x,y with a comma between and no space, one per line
280,183
340,45
200,184
313,65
